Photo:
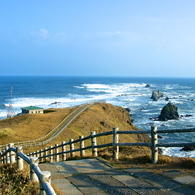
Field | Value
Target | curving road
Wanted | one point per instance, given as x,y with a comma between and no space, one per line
66,123
52,135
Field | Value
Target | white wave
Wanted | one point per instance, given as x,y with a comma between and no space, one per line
3,113
112,88
175,86
79,87
70,100
170,87
54,102
96,86
176,152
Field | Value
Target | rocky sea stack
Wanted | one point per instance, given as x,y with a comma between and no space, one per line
156,95
169,112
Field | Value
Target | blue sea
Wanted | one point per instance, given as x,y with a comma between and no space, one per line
128,92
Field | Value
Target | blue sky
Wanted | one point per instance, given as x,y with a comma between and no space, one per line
98,37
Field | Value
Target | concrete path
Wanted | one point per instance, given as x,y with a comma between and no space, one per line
92,176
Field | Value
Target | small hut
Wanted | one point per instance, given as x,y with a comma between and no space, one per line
31,109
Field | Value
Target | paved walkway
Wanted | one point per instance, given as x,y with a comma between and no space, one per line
92,176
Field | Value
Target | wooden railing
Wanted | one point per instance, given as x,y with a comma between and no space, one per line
13,155
59,152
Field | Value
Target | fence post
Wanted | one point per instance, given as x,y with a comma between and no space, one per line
51,154
4,157
44,177
41,155
12,154
33,176
57,159
37,153
1,158
71,148
115,142
7,155
20,164
93,144
63,150
154,141
45,154
82,145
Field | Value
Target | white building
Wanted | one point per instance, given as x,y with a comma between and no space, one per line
31,109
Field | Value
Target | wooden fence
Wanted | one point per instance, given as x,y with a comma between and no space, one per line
13,155
59,152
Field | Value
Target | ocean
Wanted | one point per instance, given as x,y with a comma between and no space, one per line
128,92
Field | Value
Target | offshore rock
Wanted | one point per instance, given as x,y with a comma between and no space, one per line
127,109
147,86
156,95
188,148
169,112
186,115
166,99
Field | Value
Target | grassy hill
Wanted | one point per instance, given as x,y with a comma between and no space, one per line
30,126
100,118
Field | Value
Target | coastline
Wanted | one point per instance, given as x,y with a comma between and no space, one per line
126,92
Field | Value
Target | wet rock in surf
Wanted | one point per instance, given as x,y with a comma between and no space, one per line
127,109
156,95
147,86
169,112
166,99
188,148
186,115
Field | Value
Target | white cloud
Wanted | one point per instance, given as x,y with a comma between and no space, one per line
41,33
44,33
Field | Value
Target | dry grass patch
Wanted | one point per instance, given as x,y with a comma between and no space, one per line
142,158
98,117
14,182
31,126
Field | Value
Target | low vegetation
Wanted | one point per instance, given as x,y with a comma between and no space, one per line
14,182
100,118
30,126
140,157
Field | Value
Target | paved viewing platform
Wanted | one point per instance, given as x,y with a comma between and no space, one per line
93,176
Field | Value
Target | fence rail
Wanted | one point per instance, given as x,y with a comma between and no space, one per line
54,153
15,155
59,151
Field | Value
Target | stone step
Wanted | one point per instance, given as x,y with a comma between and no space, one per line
93,176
